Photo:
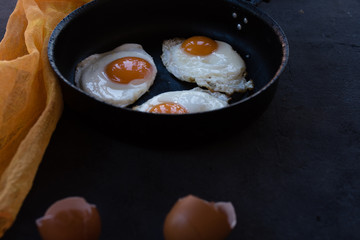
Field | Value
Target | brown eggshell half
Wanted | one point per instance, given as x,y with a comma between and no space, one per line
192,218
71,218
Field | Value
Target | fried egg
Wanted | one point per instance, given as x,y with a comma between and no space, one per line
209,63
185,101
118,77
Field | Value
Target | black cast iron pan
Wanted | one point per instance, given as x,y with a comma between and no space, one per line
102,25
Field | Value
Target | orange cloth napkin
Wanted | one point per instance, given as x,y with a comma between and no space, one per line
30,98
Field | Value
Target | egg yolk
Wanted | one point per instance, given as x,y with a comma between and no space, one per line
126,69
199,45
171,108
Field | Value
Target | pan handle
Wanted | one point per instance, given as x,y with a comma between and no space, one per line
256,2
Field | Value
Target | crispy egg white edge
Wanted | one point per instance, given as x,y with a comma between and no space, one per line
91,78
214,72
194,100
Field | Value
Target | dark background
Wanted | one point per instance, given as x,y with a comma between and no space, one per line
292,174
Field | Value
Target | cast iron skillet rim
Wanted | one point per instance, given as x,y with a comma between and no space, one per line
53,39
263,16
247,5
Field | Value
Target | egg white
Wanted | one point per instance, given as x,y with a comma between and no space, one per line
223,70
90,76
194,100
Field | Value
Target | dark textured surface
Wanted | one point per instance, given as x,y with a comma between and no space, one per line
293,174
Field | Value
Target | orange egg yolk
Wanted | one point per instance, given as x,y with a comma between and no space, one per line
126,69
171,108
199,45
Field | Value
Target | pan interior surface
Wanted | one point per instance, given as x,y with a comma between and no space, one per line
101,26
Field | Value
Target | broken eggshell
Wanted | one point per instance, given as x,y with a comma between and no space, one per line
71,218
192,218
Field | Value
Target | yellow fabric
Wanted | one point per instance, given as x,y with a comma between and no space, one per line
30,98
